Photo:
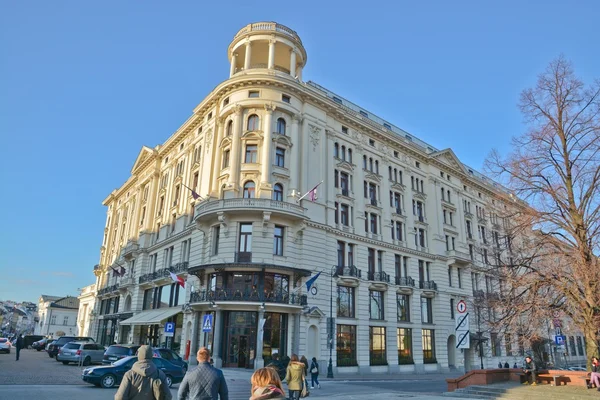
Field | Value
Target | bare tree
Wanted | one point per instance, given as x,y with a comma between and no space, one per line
549,258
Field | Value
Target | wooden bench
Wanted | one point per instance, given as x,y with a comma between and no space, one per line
554,380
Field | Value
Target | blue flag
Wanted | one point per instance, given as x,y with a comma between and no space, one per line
312,280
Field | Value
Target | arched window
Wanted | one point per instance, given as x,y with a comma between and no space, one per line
229,130
249,190
253,122
278,192
350,156
336,150
281,126
344,153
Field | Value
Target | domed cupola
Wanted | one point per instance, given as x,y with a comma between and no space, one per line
267,46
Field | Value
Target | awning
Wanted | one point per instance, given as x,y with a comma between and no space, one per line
151,317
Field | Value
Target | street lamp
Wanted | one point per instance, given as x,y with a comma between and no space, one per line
330,325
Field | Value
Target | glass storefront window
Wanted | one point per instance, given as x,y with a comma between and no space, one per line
405,346
274,337
428,346
377,346
240,341
346,346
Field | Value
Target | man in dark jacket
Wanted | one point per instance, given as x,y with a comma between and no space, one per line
144,380
529,370
19,345
205,382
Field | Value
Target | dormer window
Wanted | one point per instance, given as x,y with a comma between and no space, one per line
253,94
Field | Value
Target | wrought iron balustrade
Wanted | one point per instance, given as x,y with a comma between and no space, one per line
405,281
279,297
428,285
348,271
164,272
108,289
379,276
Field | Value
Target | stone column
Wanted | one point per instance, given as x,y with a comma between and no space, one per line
295,157
218,156
218,332
266,162
271,63
299,72
293,63
195,339
259,362
234,161
248,56
233,62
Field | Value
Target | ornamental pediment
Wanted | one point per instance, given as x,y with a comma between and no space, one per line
252,135
398,186
283,140
225,142
448,158
373,177
345,165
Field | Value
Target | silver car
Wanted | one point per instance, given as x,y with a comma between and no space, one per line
5,345
83,353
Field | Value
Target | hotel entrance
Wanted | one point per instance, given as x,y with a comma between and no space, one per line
240,339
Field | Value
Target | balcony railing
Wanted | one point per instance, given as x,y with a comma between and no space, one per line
348,271
405,281
373,202
162,273
281,207
345,192
428,285
108,289
268,26
243,257
379,276
250,296
479,294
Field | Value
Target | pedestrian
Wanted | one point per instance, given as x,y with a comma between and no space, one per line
144,381
19,345
314,373
499,364
305,362
205,382
294,377
515,366
529,370
506,365
266,384
595,375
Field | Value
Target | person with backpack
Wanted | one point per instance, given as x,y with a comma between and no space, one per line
314,373
205,382
144,381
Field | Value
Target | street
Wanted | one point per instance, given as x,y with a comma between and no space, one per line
38,376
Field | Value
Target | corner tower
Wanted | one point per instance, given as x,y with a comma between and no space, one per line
267,46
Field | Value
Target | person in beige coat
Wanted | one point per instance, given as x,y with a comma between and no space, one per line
143,380
295,377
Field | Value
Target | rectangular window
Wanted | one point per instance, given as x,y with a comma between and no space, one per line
53,320
66,320
253,94
245,243
345,301
215,240
147,305
495,343
428,336
377,346
346,346
459,276
579,345
345,215
403,306
451,308
426,311
344,129
350,254
226,154
508,344
450,276
337,211
280,157
285,98
251,153
405,355
278,240
375,305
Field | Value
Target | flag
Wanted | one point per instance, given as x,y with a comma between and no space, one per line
311,194
312,280
115,272
177,279
122,271
195,195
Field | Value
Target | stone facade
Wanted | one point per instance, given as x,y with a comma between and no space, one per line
57,314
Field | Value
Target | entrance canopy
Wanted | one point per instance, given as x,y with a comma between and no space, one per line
151,317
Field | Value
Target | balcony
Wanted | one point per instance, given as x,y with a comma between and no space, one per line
243,257
428,287
482,220
349,275
468,214
130,250
379,280
373,202
459,258
232,206
479,295
421,219
163,273
268,27
108,290
255,296
405,284
397,211
345,192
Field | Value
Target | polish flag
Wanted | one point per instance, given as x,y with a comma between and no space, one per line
177,279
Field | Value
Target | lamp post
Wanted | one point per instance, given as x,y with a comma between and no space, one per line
330,325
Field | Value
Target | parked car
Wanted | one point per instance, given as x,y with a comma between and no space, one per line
172,357
81,353
50,341
119,351
40,344
61,341
5,345
28,340
108,376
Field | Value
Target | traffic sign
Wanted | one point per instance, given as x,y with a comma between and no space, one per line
461,307
170,329
560,340
207,323
463,331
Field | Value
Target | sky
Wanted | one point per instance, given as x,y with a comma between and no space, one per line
84,85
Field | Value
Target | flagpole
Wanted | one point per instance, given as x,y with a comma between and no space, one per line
306,194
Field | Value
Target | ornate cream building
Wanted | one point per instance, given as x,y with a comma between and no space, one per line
394,229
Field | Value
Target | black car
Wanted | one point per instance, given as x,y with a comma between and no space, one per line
61,341
172,357
40,344
109,376
119,351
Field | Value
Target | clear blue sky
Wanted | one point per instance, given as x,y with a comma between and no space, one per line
83,85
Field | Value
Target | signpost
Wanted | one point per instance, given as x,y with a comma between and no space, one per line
170,329
207,323
462,326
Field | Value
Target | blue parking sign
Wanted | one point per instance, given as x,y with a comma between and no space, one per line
560,340
170,329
